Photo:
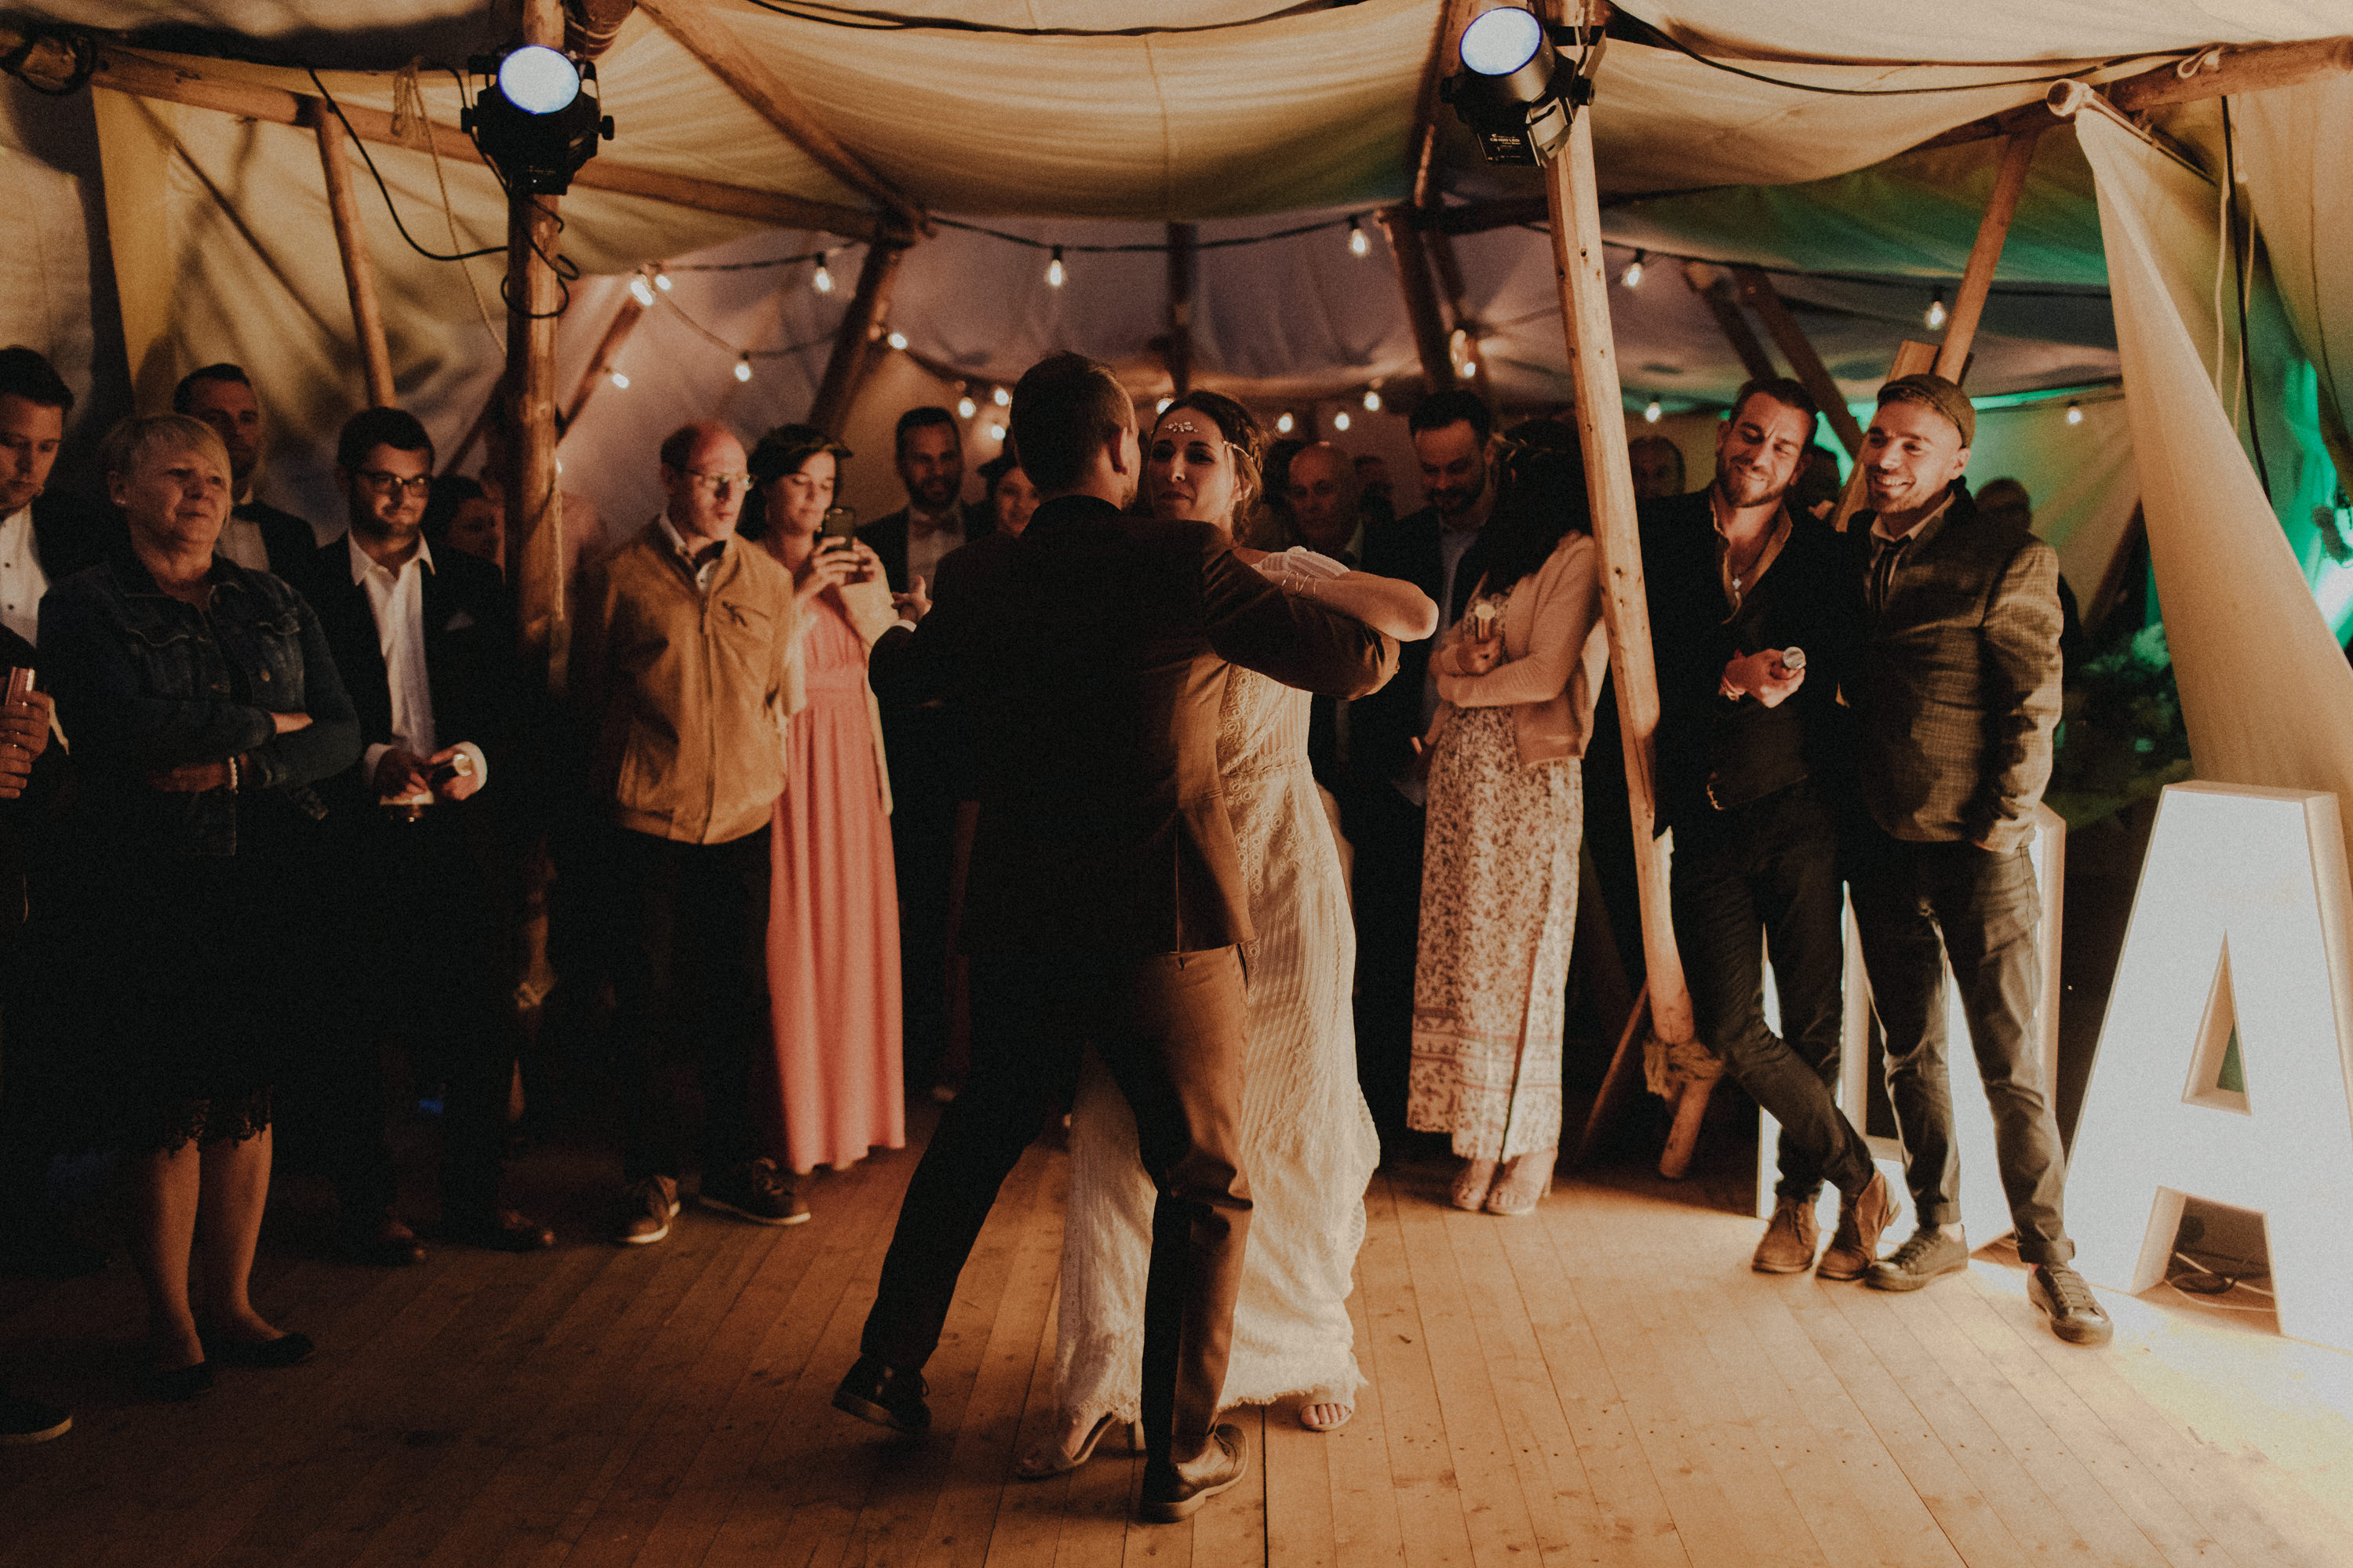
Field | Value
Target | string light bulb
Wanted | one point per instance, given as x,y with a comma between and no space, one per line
641,291
897,340
1651,414
1470,368
1372,400
1163,406
1937,310
2074,412
1002,398
742,367
1282,424
1055,271
996,432
966,407
822,279
661,280
1632,276
1359,242
618,380
1340,420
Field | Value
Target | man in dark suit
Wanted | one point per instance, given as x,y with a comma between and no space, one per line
1956,695
1106,904
1750,764
46,535
256,535
919,742
426,646
1436,550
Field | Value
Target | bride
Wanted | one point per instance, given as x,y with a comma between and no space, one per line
1308,1144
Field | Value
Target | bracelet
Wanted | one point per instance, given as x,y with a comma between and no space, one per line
232,775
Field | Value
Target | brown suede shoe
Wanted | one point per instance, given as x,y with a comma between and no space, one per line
1788,1244
1176,1490
1855,1246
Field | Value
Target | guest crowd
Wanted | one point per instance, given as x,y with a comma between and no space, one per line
279,794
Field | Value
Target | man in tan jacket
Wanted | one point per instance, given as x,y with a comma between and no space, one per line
683,674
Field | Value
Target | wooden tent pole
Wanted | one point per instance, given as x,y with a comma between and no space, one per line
1715,292
1421,296
359,270
534,509
853,341
1457,297
1977,279
1184,276
699,30
609,348
1757,291
1572,195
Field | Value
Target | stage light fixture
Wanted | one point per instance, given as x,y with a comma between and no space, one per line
1936,317
742,367
533,118
1359,244
1372,401
1651,414
1632,276
1055,271
1512,90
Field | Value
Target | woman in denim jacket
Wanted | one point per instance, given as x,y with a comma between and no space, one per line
202,705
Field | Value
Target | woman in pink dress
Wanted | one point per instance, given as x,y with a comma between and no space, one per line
833,923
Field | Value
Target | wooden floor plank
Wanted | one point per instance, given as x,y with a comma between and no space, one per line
1232,1527
1300,1529
1422,1460
1365,1526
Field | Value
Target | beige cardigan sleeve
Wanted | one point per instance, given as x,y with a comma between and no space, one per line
1564,602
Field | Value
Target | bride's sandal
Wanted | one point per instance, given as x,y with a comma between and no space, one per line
1471,1183
1526,1182
1325,1399
1060,1455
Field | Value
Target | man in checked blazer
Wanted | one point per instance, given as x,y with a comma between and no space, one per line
1957,693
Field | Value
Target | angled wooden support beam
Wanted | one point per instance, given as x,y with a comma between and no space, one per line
1184,278
1456,296
1757,291
625,320
175,78
359,270
1442,59
714,43
1985,255
853,341
2231,68
1713,287
1420,297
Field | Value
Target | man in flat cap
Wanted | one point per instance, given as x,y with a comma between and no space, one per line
1956,695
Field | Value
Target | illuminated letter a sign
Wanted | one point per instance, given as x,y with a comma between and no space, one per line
2240,927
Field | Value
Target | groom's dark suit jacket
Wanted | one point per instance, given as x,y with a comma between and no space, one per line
1093,652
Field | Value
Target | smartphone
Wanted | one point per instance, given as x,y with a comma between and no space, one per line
840,530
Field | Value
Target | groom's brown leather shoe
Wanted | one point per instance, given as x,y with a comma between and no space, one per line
1176,1490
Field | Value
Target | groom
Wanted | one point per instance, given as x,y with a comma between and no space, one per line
1105,904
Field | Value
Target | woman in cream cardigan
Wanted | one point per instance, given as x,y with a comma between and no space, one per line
1517,677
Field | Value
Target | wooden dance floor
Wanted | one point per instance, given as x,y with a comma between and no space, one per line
1605,1384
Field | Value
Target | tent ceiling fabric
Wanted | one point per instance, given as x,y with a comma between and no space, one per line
1985,31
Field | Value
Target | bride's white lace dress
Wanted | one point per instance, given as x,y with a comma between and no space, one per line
1309,1148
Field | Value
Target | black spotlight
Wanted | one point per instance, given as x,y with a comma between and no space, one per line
534,117
1513,91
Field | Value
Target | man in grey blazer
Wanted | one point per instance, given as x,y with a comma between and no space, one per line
1956,695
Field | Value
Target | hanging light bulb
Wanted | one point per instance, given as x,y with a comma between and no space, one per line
1359,244
1651,414
1282,424
996,432
1470,368
1937,310
1340,420
822,279
1163,406
1002,398
1372,400
661,280
1632,276
966,407
742,367
618,380
897,340
1055,271
2074,412
641,291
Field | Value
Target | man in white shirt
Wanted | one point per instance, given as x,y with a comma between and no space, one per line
426,646
258,535
44,536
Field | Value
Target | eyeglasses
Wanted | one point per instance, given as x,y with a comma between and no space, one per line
717,482
385,484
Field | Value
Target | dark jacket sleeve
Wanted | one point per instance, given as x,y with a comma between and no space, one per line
2022,693
1252,623
105,708
327,745
908,669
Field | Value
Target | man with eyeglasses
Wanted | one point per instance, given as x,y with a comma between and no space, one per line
683,674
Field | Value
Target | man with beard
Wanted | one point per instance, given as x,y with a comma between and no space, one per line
1436,550
1750,624
256,534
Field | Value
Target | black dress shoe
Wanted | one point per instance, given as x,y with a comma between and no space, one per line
285,1350
501,1230
885,1395
174,1384
1174,1490
388,1244
26,1420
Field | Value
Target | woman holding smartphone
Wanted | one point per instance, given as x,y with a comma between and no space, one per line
833,923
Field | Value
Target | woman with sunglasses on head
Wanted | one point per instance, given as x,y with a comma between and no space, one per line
833,921
1308,1138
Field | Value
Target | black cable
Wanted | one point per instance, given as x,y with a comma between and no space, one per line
1683,48
386,191
752,266
1150,247
2239,293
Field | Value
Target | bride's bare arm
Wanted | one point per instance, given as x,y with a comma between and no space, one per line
1388,604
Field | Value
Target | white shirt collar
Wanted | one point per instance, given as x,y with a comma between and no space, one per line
686,551
363,563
